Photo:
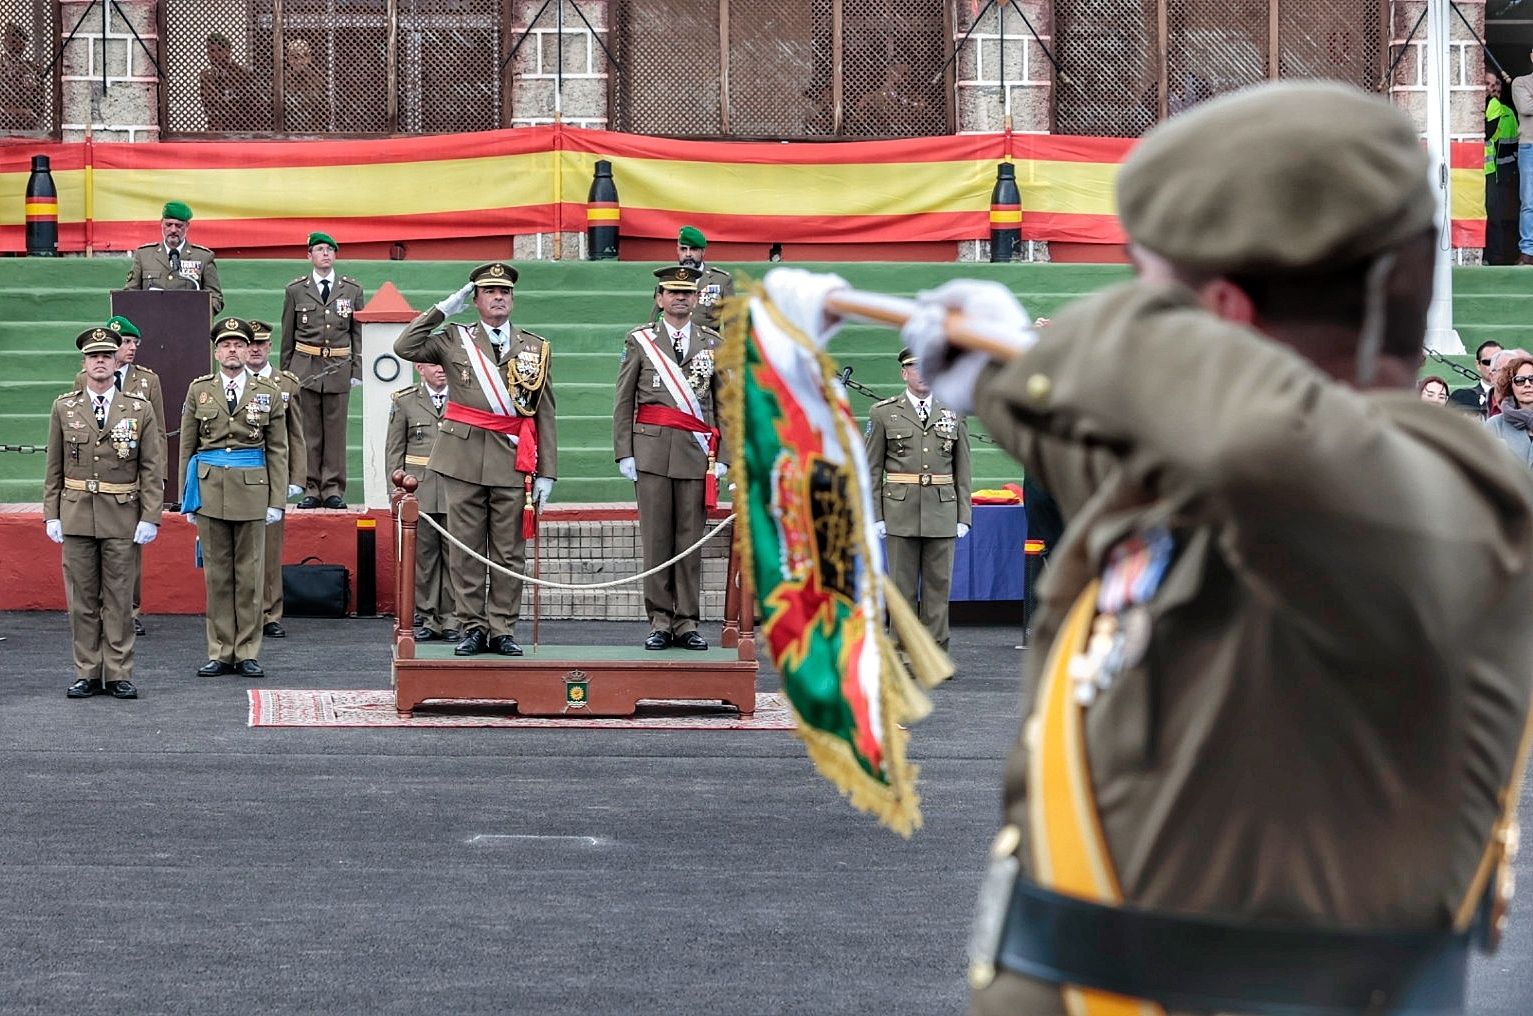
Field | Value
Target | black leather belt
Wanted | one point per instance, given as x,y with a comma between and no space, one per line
1215,966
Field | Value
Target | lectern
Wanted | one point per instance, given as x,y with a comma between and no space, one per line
175,325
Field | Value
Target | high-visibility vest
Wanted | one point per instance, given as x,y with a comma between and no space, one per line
1506,131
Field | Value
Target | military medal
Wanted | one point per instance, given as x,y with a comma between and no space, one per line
203,398
343,306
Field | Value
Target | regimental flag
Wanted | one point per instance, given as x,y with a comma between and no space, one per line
804,529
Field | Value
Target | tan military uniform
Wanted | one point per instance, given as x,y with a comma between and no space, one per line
151,269
232,520
271,596
413,423
921,491
485,492
715,285
1313,680
100,484
322,344
672,469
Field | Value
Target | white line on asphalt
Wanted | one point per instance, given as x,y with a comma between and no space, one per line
510,839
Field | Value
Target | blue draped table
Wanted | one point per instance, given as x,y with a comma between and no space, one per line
990,562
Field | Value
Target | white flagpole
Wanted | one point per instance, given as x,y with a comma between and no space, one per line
1441,336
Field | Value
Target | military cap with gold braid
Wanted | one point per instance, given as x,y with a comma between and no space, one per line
122,326
907,358
495,273
1279,178
260,330
96,340
232,328
178,210
681,277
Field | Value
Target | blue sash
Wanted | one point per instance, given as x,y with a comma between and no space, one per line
229,458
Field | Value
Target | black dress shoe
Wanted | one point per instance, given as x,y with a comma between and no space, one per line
451,634
274,630
505,645
472,644
334,501
309,502
424,634
83,688
138,627
249,668
657,640
121,689
691,640
213,668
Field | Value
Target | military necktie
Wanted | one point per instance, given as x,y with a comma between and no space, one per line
117,379
100,412
233,395
175,261
679,343
921,410
495,340
324,290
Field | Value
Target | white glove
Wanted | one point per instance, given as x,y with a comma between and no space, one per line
720,469
541,488
800,297
963,530
986,306
456,303
628,468
273,516
881,529
55,529
293,490
145,532
356,382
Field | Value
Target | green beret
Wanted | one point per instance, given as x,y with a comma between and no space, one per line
96,340
179,210
681,277
1280,178
691,236
324,238
122,326
493,273
232,328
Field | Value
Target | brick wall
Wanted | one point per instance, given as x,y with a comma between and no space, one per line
1466,66
126,107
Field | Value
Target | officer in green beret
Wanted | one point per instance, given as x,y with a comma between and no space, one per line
234,468
1270,742
258,361
103,490
715,284
175,262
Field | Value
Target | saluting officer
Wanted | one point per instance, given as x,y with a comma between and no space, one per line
175,262
414,418
1272,759
234,451
665,438
321,343
102,496
714,284
258,361
135,379
918,450
496,449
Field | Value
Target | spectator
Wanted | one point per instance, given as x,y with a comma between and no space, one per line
894,106
1498,361
21,83
1476,398
1500,173
1433,389
1514,395
303,89
1522,99
231,97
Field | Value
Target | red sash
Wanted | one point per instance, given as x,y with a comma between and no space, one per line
526,431
668,416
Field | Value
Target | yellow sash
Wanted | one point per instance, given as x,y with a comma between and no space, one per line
1070,854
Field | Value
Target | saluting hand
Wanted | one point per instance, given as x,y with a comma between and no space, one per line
457,302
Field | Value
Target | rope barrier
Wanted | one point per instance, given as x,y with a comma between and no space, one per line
574,585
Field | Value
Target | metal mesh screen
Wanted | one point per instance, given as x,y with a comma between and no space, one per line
780,68
1115,85
27,46
217,61
449,65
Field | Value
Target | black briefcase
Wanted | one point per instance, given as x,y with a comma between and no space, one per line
315,590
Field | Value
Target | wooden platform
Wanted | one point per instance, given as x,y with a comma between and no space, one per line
581,681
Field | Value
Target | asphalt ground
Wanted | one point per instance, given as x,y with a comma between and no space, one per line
160,856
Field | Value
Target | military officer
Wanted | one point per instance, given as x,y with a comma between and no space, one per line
665,438
918,450
414,418
1269,744
139,380
714,285
102,495
321,343
258,361
234,452
496,449
174,262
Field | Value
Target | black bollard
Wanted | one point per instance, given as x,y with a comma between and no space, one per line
1005,215
367,568
42,211
602,215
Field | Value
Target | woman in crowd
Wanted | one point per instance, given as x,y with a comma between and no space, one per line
1513,393
1433,389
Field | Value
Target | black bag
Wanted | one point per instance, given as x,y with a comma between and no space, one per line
315,590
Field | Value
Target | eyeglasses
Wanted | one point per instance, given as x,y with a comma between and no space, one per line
1523,379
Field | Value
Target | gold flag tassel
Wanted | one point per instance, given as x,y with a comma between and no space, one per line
930,665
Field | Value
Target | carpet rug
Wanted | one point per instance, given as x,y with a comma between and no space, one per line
282,707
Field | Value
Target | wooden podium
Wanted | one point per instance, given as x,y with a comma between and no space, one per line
175,325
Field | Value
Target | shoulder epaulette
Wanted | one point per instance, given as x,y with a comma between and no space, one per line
205,377
146,370
401,393
721,271
198,246
886,402
67,395
269,381
708,331
292,377
296,281
135,398
148,246
531,335
347,278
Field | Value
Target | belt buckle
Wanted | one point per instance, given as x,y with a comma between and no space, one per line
926,479
325,353
92,485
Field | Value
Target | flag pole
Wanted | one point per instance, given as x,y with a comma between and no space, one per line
965,333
